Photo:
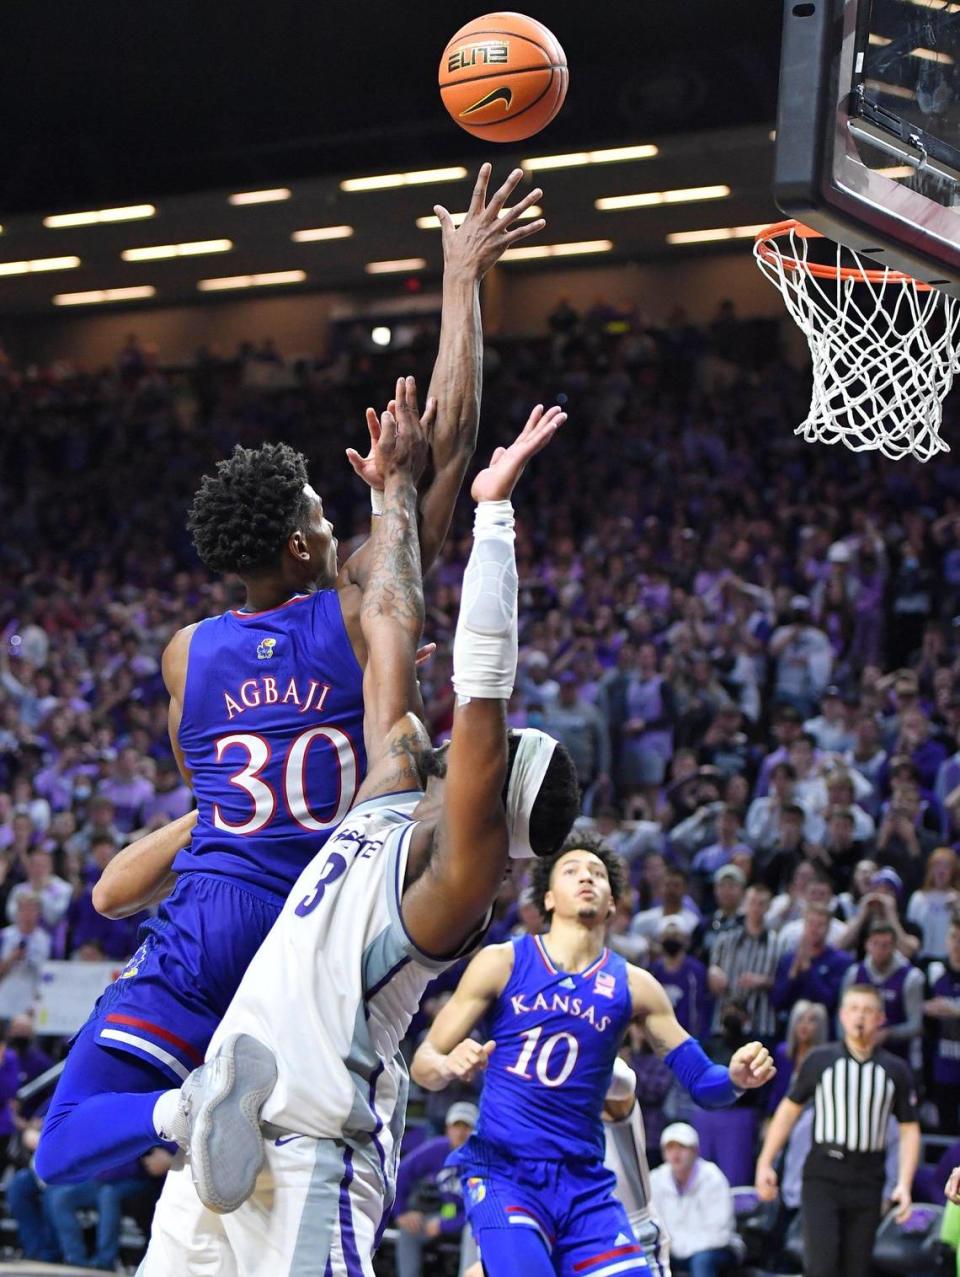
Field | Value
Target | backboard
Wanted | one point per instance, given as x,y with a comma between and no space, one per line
868,130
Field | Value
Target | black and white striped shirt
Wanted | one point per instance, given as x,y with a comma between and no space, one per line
736,953
853,1099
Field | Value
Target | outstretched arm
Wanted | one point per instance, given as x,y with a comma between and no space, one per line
468,253
710,1085
469,850
142,874
391,612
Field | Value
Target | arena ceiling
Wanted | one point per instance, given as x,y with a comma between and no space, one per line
179,105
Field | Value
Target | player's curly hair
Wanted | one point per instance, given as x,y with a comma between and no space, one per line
556,805
543,869
243,514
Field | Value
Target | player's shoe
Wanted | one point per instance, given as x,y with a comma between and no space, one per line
219,1121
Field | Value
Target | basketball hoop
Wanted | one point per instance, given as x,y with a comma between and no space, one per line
884,346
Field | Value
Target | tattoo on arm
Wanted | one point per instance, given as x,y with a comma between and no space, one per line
395,582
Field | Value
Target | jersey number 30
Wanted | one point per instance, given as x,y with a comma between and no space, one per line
542,1067
294,776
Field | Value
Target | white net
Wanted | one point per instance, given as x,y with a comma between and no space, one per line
884,348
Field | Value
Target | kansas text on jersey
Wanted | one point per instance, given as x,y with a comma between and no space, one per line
557,1035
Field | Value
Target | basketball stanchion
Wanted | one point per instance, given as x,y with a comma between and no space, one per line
884,346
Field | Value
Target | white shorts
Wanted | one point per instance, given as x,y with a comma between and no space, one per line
315,1212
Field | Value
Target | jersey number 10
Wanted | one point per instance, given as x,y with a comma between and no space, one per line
542,1067
294,778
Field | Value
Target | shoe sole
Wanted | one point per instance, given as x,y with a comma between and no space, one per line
226,1147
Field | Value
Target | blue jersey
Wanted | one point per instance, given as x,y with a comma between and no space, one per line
557,1035
272,732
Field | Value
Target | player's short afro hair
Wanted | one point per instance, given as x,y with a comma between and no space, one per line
242,516
543,869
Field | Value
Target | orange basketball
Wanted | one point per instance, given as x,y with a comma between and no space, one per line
503,77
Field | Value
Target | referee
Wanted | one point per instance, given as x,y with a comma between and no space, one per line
854,1087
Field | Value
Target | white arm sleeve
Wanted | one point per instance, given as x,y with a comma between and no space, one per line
623,1081
485,645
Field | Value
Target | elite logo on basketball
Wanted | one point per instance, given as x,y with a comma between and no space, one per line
486,54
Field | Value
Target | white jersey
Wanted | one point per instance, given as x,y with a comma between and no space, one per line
335,984
626,1156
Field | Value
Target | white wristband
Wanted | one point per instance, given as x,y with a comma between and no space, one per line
376,501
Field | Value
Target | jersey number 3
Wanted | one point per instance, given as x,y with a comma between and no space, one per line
294,776
542,1067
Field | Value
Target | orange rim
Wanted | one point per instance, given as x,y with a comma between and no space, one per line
765,249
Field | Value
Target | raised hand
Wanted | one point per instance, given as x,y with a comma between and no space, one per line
370,467
488,229
751,1066
402,446
507,464
952,1190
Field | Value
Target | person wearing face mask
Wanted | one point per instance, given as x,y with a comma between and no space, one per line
684,979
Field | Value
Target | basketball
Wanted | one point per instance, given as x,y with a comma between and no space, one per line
503,77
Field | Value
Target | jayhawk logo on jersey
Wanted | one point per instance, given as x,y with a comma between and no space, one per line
265,649
134,964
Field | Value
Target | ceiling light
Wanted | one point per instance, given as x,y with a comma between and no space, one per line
194,248
576,159
261,197
315,233
131,213
648,199
432,222
892,90
931,55
936,4
381,335
558,250
99,295
400,264
896,170
715,233
881,41
421,177
39,264
252,281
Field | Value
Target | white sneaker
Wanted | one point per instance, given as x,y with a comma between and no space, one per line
218,1120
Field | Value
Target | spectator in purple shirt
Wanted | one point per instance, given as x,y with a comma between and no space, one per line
729,841
813,970
56,781
114,938
429,1200
684,979
171,797
127,790
100,822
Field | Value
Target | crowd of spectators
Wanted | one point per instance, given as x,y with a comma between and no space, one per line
748,644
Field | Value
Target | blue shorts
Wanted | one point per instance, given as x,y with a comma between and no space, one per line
569,1205
169,998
